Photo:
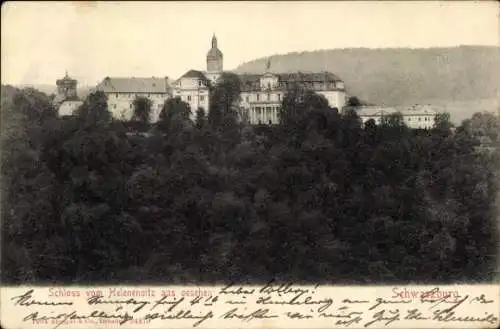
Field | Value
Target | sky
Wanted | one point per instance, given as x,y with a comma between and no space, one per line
41,40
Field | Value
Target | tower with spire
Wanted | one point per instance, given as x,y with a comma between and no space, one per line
66,89
214,58
66,99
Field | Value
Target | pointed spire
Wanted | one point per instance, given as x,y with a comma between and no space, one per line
214,41
268,64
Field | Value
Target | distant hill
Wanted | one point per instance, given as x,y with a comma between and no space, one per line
462,79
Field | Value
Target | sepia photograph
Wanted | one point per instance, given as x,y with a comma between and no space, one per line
215,143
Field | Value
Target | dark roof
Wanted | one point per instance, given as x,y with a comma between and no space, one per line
66,79
309,76
251,81
134,85
193,74
385,110
214,53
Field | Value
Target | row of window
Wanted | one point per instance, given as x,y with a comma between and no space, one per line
420,119
267,97
413,119
310,85
202,97
134,95
200,83
263,109
189,98
184,98
131,105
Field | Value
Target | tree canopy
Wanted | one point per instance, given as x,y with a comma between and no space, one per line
142,109
319,198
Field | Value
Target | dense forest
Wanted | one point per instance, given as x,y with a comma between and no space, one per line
449,77
318,198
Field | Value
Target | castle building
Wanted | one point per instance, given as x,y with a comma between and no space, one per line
261,94
214,61
121,93
415,117
193,87
66,99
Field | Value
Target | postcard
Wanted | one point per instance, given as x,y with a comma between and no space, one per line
270,165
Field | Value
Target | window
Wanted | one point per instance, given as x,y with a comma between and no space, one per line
202,98
269,85
116,95
199,83
189,98
419,119
258,97
279,97
247,99
268,96
114,106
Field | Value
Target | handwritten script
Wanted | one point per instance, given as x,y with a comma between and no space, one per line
274,305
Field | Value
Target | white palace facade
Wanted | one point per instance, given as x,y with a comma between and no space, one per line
415,117
261,94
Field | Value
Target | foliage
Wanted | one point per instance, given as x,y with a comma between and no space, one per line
201,118
443,122
318,198
224,99
353,101
142,109
33,105
174,112
94,109
482,125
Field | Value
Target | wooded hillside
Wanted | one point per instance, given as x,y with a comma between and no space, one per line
456,78
319,198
